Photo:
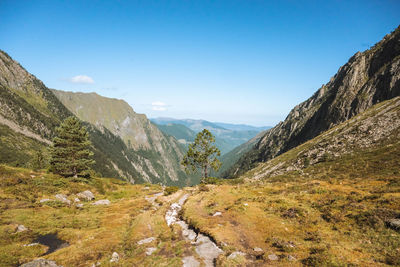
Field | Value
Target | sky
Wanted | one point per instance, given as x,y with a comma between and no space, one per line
230,61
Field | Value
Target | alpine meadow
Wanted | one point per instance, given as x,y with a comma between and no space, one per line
199,133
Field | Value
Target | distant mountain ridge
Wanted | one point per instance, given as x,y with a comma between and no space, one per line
366,79
228,136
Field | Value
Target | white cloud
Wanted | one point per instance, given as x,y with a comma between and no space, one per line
159,106
82,79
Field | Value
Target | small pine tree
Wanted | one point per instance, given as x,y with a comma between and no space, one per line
70,153
38,161
202,154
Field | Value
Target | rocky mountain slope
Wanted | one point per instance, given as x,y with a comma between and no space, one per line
376,129
366,79
29,114
158,155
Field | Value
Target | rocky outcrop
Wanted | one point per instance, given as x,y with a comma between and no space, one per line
366,79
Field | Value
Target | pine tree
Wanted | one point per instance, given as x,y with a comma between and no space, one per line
70,153
202,154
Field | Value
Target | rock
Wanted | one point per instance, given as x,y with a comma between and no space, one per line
21,228
218,213
45,200
145,241
102,202
77,200
114,257
257,249
394,224
207,249
190,262
291,258
63,198
79,205
31,244
246,204
146,188
233,255
273,257
86,195
150,251
41,263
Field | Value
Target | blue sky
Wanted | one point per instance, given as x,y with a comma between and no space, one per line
232,61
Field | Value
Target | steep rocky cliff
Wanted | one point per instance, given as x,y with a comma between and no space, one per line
366,79
159,154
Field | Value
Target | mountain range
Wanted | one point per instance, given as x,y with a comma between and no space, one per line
227,136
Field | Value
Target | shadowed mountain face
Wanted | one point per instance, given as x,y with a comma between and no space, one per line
159,155
366,79
30,112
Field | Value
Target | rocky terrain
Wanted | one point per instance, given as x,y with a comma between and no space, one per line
366,79
377,127
158,155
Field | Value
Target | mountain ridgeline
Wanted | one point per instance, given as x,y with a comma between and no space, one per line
366,79
132,148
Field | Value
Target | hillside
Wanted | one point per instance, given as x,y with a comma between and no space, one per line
366,79
183,134
30,112
227,136
158,155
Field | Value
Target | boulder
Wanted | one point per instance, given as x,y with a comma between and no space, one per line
235,254
45,200
394,224
63,198
21,228
218,213
86,195
114,257
41,263
273,257
102,202
79,205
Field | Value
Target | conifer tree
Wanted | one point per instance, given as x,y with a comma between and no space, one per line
202,154
70,153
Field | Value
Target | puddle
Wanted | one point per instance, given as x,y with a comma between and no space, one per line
51,241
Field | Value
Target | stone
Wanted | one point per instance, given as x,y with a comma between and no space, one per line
79,205
291,258
77,200
258,249
63,198
102,202
273,257
150,251
246,204
393,223
86,195
235,254
41,263
218,213
31,244
114,257
45,200
21,228
190,261
146,240
207,249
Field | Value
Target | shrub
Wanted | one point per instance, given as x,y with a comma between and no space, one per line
170,190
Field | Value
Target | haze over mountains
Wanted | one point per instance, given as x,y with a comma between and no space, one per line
228,136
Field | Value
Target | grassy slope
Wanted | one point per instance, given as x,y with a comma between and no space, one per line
93,232
333,211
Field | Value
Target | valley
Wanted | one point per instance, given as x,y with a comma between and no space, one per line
90,180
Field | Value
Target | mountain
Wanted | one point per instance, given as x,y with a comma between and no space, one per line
183,134
30,112
158,155
226,139
366,79
371,139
